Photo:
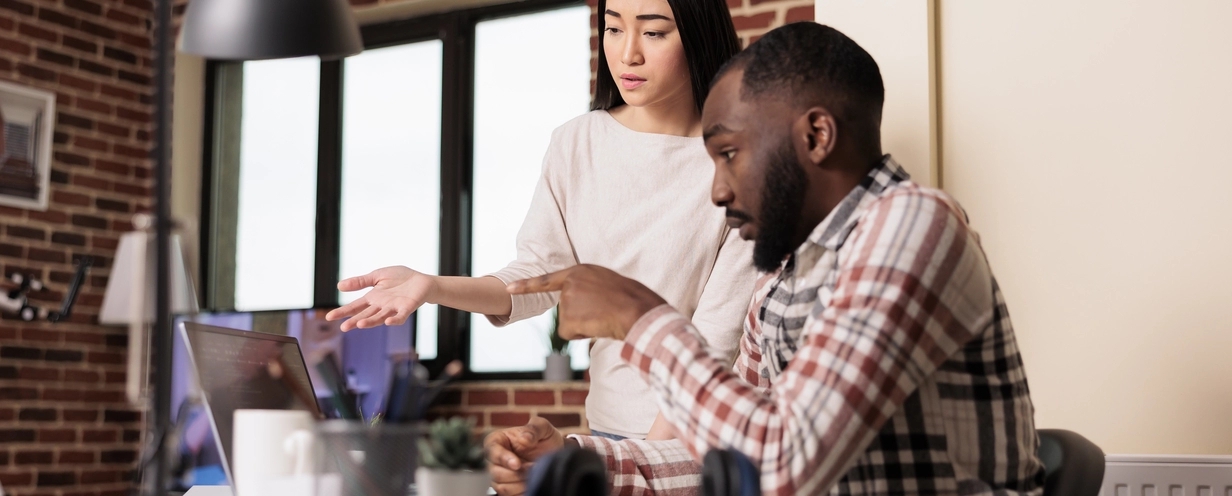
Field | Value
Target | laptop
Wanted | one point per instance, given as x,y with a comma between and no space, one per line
233,371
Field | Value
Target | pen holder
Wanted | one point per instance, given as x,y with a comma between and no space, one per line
357,459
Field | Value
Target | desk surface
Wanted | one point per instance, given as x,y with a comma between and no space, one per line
209,491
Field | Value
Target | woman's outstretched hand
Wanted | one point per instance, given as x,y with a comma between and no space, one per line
396,293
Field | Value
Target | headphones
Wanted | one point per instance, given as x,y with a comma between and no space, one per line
729,473
569,471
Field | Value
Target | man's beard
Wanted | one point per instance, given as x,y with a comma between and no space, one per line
781,199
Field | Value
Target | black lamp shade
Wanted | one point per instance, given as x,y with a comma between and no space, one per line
269,29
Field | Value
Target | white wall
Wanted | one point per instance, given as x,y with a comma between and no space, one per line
907,62
1085,140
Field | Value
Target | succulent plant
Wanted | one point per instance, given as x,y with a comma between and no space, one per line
451,445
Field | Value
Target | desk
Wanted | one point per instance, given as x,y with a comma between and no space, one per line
209,491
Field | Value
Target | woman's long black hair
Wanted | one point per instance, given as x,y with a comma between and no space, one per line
709,40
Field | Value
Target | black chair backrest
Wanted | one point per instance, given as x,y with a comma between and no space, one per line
569,471
729,473
1073,465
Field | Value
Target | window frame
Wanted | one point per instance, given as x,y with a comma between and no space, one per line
456,31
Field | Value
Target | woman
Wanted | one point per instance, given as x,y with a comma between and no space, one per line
625,186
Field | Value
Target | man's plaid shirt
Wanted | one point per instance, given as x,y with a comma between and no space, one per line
879,359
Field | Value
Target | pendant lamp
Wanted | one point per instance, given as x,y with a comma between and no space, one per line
269,29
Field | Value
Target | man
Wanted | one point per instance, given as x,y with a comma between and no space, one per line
878,355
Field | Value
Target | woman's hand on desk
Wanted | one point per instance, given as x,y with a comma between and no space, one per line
396,293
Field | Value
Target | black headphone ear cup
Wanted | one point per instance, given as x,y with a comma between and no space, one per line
582,473
729,473
570,471
716,476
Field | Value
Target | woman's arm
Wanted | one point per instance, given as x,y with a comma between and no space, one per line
398,291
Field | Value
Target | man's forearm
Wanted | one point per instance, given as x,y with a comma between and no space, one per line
661,468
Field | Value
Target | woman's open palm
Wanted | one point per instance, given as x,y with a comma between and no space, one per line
396,293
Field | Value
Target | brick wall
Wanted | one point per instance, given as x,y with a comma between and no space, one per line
64,425
496,405
752,18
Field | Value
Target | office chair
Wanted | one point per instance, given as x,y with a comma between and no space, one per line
1073,465
729,473
569,471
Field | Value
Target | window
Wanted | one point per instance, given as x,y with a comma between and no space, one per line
277,185
391,164
507,164
424,151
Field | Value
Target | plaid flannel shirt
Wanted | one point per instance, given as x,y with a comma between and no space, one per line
880,359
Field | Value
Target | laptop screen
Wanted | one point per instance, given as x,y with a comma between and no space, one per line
234,372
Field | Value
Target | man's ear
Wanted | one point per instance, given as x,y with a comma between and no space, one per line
816,134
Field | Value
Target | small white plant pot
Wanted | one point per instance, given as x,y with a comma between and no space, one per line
557,368
440,482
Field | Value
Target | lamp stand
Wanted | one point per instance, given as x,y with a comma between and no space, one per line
156,470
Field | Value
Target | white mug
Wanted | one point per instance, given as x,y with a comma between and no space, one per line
269,445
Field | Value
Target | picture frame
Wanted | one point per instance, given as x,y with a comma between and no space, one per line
27,123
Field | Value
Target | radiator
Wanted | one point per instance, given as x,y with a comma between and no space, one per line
1167,475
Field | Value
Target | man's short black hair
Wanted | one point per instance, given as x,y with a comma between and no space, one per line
815,64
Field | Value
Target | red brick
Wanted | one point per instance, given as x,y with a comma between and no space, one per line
798,14
70,198
80,415
78,83
104,242
15,251
37,32
487,397
91,143
76,458
118,92
81,376
113,130
44,336
540,397
100,476
142,42
105,358
51,216
99,436
52,394
133,115
91,182
114,377
103,396
34,72
7,414
129,151
759,21
15,46
38,373
93,106
33,458
561,420
41,255
83,337
12,480
80,44
573,397
57,436
508,419
124,17
46,479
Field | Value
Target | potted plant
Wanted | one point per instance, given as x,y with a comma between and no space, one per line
451,460
557,367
